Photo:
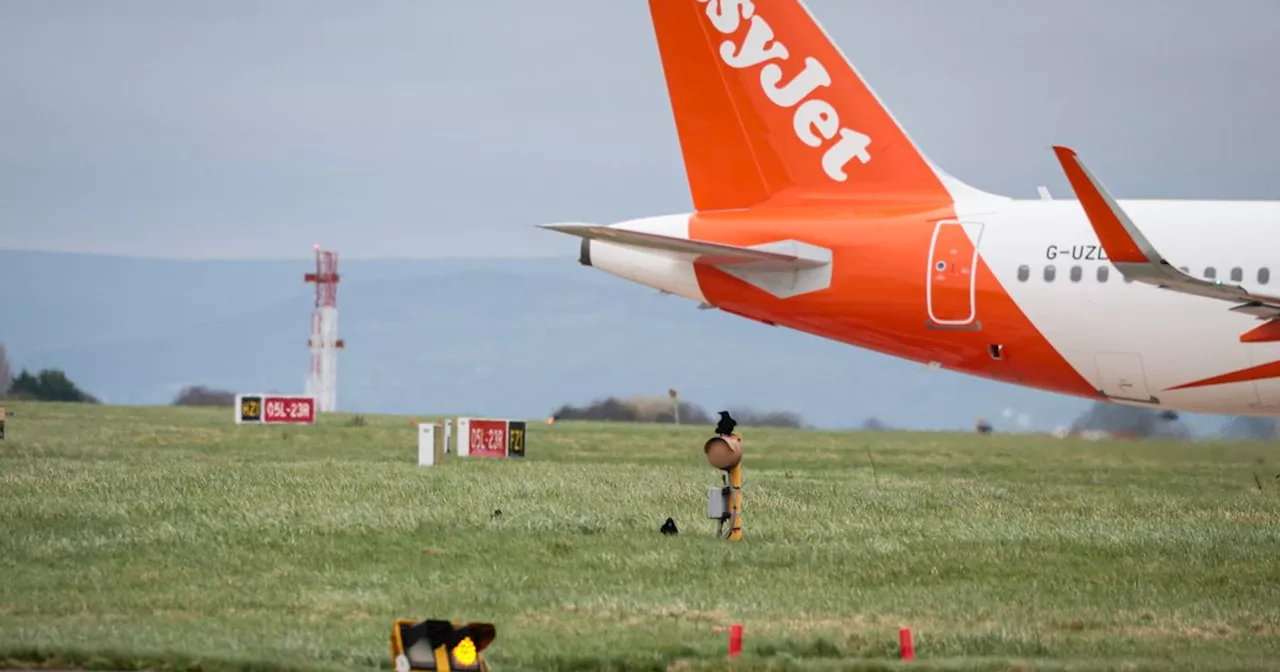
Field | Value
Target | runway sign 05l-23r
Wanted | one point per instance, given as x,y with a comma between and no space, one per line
488,437
275,409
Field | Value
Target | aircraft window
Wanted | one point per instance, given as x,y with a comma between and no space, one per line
1184,269
1264,274
1076,272
1049,273
1024,272
1102,273
1210,273
1237,274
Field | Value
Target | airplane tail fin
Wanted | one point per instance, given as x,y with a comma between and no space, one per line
767,108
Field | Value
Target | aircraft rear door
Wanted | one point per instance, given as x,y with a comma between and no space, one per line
951,286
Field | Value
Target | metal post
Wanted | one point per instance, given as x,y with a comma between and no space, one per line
735,502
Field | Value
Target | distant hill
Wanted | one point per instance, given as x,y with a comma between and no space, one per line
501,337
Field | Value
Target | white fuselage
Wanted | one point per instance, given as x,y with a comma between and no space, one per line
1179,338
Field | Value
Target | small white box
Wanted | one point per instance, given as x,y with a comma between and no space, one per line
426,444
464,438
717,503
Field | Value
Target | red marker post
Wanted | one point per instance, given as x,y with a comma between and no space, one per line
735,640
904,643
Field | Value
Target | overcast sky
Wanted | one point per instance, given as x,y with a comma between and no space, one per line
426,128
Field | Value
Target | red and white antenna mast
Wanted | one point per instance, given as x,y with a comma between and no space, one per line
322,383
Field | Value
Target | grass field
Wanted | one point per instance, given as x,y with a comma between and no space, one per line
171,538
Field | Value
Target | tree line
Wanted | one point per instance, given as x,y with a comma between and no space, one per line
663,410
52,384
45,385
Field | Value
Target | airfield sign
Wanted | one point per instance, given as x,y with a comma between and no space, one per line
489,437
275,409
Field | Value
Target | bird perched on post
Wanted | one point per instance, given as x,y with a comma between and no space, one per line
725,428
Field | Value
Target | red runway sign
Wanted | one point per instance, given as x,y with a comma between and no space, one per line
488,438
275,409
495,438
289,409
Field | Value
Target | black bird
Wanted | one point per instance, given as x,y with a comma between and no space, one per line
725,428
668,528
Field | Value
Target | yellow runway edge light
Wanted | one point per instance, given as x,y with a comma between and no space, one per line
440,645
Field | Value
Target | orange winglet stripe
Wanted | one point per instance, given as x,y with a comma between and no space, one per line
1259,372
1264,333
1117,242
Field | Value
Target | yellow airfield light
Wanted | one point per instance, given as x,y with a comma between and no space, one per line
440,646
465,652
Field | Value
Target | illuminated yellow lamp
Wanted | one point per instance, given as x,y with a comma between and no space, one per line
465,652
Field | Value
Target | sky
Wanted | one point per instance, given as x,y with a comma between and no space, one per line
425,128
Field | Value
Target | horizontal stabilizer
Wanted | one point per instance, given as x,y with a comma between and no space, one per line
787,256
1136,258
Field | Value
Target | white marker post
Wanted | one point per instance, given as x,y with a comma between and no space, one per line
464,437
426,444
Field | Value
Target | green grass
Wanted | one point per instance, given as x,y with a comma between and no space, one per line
171,538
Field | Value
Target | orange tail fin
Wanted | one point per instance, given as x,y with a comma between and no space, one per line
768,108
